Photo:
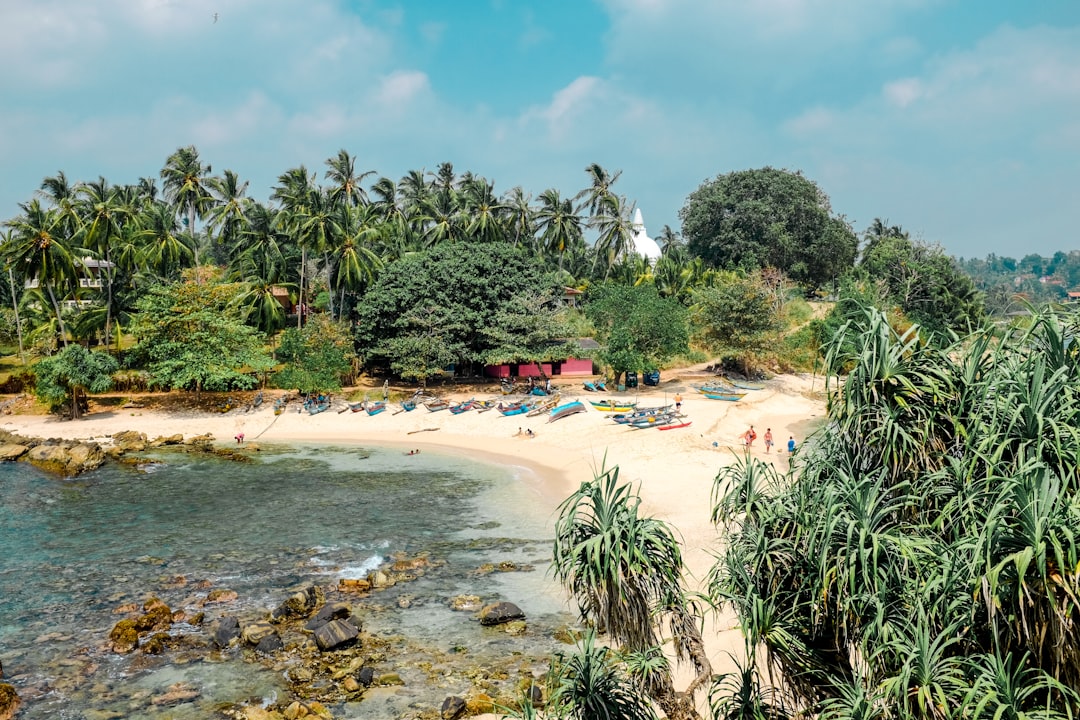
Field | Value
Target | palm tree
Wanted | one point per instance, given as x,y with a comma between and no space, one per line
345,184
599,190
624,571
484,211
519,219
186,185
298,195
559,224
353,262
40,249
669,240
226,213
164,248
106,214
616,238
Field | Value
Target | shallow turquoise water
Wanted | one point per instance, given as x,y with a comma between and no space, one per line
71,551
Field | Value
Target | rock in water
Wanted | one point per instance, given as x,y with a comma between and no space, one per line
67,459
11,451
124,638
301,604
328,612
335,634
452,708
254,632
9,701
270,644
500,613
225,630
175,694
130,441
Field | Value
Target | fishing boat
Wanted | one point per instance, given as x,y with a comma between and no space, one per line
507,387
570,408
729,396
544,406
408,405
436,405
652,421
614,405
374,408
461,407
314,407
675,426
483,405
746,385
629,417
516,408
597,386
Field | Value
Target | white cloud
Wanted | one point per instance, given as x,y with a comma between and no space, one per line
400,88
902,93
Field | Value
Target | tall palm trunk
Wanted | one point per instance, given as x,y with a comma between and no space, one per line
300,295
194,240
18,323
59,315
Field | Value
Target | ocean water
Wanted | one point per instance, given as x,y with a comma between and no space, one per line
73,551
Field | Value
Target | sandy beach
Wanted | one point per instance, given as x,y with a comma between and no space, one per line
674,469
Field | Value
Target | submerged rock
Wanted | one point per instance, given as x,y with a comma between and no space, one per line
9,701
270,644
500,613
336,634
124,637
452,708
175,694
328,612
300,604
224,631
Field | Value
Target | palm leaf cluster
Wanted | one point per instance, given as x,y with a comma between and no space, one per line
625,572
921,559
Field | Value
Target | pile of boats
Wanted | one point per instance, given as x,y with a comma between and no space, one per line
626,412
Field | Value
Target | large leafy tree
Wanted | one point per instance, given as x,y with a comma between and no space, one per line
924,282
637,329
453,304
736,315
316,357
758,218
921,560
62,379
193,337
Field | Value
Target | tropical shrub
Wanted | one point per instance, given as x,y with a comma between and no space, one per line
921,557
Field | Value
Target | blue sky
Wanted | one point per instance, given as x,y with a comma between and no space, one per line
959,121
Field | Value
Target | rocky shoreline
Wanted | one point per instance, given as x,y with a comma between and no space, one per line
68,458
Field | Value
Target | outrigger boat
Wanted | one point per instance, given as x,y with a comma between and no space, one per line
729,396
745,385
674,426
461,407
408,405
614,405
544,406
652,421
436,405
627,418
374,408
597,386
515,408
483,405
357,407
570,408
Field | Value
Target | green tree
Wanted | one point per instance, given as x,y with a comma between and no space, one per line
186,183
753,219
63,379
192,337
736,315
559,224
624,571
926,284
637,329
316,357
457,303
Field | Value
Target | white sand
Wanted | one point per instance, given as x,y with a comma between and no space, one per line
675,468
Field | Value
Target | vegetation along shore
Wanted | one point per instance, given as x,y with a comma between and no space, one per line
914,557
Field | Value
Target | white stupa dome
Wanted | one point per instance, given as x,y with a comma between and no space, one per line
643,244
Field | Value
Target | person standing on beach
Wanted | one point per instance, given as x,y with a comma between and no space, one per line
751,436
678,402
791,444
768,439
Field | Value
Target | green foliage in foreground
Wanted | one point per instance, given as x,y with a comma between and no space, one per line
316,356
192,337
921,559
624,570
63,378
